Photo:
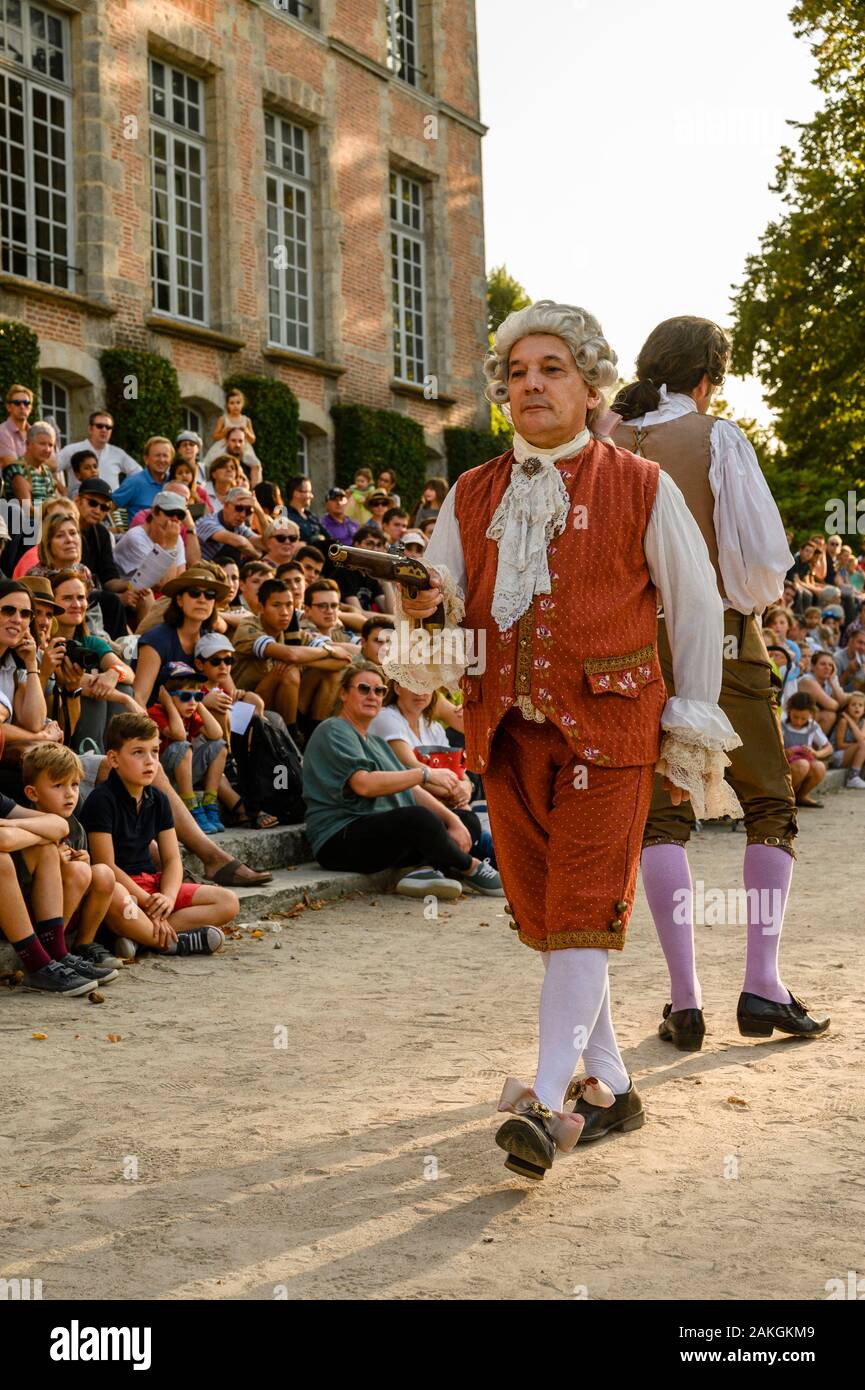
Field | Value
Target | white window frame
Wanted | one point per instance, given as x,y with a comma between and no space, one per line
175,135
402,14
303,453
407,236
192,420
283,178
47,412
31,80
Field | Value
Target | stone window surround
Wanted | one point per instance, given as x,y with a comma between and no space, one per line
195,140
304,183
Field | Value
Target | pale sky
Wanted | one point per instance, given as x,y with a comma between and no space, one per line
630,151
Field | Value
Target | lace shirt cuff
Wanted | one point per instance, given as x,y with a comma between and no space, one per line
422,660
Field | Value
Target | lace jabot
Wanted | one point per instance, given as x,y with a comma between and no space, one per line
532,511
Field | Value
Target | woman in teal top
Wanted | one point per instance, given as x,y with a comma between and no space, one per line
366,812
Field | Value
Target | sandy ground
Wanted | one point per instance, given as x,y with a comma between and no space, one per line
357,1160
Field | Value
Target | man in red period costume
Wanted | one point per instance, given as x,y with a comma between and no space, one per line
554,557
663,416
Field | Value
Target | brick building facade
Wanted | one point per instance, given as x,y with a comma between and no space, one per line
287,188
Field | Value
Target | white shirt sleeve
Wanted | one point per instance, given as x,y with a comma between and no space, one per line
752,548
446,547
390,724
683,575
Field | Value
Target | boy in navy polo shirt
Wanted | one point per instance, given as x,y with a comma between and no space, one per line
122,816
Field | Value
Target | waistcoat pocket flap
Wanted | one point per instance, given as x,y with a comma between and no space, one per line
623,675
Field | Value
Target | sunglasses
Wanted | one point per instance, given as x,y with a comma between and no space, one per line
284,539
219,661
187,695
333,606
199,593
7,610
24,402
100,506
244,511
379,690
103,427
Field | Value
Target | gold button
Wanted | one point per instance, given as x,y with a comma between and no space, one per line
615,924
621,906
514,926
509,910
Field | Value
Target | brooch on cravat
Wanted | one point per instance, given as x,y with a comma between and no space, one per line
531,466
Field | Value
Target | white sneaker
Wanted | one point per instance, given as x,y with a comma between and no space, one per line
855,782
125,947
421,883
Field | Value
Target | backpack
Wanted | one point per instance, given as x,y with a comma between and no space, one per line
270,769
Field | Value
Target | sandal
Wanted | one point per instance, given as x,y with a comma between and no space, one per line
262,820
234,874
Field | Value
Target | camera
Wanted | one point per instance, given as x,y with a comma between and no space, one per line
82,656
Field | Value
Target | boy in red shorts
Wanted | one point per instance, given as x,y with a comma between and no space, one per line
122,816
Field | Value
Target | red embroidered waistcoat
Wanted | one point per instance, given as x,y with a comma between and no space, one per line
585,654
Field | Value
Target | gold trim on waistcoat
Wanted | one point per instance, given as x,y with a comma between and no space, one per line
525,634
592,665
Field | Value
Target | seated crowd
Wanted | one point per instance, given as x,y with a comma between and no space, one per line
164,627
174,637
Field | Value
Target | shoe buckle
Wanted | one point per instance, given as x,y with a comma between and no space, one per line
537,1107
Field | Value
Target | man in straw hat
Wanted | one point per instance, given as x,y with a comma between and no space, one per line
556,555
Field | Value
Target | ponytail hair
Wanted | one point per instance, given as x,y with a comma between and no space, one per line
677,354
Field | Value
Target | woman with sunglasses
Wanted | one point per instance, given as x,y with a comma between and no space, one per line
19,680
190,613
90,668
366,812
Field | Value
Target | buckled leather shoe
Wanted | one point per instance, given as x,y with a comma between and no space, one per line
529,1146
626,1113
685,1028
757,1017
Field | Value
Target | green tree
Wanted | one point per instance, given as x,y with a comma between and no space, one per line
800,311
504,296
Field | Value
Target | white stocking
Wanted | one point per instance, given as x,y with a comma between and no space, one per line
572,997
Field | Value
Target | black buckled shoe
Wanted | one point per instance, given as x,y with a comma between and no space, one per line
626,1113
528,1143
757,1017
685,1028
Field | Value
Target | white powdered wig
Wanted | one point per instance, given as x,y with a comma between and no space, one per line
578,328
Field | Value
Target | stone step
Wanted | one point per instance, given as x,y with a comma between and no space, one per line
260,849
308,882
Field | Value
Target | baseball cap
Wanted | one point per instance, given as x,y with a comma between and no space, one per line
175,669
191,436
833,610
210,644
414,538
170,502
97,487
334,494
239,494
